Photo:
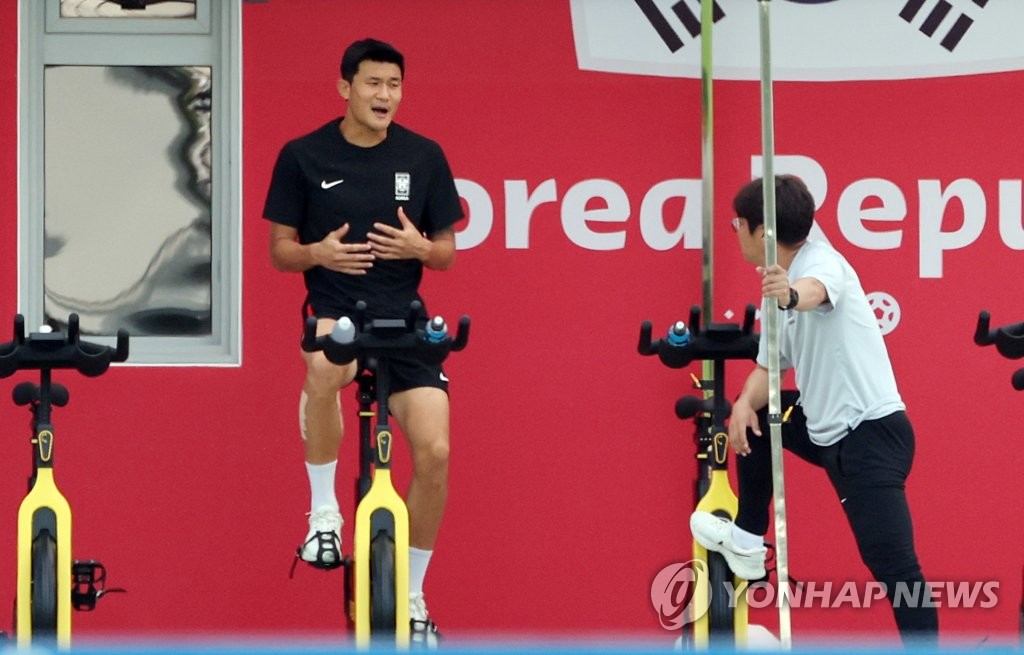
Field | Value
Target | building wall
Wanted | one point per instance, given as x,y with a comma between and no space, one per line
571,477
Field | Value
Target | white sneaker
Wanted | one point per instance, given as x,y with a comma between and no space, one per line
423,632
322,547
715,534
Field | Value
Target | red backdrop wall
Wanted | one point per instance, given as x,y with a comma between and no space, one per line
571,477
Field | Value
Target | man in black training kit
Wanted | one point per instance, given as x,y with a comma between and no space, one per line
360,206
848,416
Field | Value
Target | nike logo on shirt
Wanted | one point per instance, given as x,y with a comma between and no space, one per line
327,185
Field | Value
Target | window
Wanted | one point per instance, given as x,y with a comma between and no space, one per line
129,195
128,8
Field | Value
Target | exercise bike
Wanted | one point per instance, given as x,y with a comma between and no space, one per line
722,624
49,583
377,574
1009,341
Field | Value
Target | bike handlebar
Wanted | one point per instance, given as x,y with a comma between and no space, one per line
1008,340
56,350
982,336
382,337
716,341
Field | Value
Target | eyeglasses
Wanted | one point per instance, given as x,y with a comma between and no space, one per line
736,224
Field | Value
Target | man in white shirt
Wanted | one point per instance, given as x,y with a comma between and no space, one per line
848,416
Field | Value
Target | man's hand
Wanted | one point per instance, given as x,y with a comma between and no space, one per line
775,284
406,242
349,258
743,417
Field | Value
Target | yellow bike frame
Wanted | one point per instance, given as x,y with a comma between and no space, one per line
721,500
382,496
44,495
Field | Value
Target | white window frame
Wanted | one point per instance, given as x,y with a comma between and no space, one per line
212,39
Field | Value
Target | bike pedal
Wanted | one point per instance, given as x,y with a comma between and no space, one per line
323,566
89,584
330,566
423,635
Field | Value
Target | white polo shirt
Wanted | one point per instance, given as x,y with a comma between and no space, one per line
837,351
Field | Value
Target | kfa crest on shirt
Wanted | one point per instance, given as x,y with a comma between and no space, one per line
402,183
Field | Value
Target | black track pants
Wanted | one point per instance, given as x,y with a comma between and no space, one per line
868,468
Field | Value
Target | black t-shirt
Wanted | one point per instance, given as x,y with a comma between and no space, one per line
322,181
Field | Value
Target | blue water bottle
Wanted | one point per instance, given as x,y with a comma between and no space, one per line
436,330
678,334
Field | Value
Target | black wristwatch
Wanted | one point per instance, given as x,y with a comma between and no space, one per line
794,300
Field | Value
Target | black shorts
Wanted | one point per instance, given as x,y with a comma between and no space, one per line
406,373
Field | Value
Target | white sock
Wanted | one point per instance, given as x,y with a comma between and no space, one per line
321,485
419,560
746,540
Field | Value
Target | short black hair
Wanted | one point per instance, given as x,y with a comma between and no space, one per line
369,50
794,207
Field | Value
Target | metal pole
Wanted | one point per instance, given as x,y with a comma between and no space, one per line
707,188
771,321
